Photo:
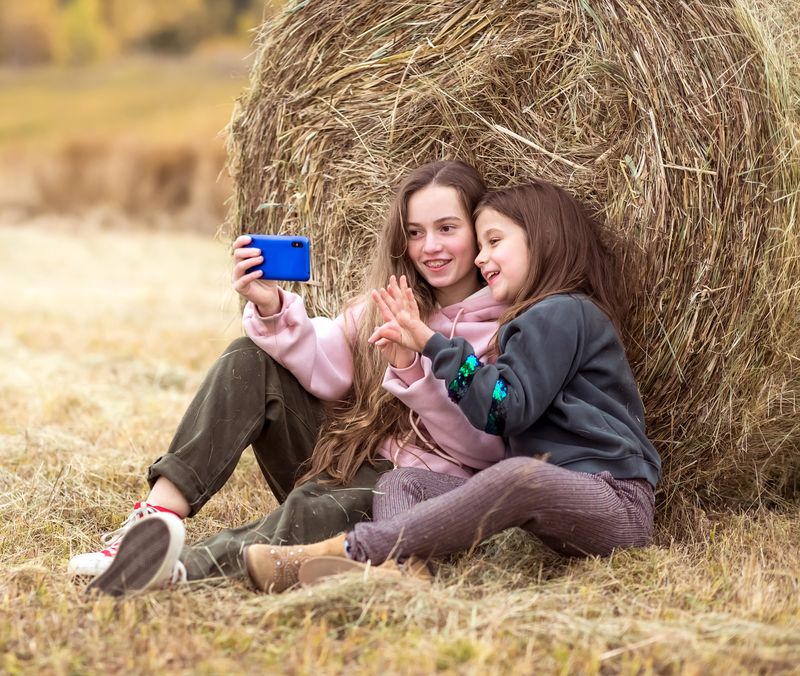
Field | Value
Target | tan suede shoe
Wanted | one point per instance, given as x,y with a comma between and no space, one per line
274,569
315,569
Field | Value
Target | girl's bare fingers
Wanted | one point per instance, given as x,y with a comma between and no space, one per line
411,303
391,303
405,295
406,291
388,331
387,314
243,282
377,335
241,268
403,311
241,240
252,276
389,285
243,254
394,288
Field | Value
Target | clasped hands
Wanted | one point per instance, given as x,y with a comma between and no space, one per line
403,333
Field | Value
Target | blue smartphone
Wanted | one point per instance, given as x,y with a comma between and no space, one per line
286,257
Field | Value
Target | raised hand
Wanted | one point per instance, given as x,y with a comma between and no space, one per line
262,293
402,323
395,354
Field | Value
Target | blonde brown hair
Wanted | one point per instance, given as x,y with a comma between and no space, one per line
569,251
355,429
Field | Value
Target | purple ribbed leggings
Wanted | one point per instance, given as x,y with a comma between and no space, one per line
428,514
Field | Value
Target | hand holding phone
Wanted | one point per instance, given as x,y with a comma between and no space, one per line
249,284
285,257
249,279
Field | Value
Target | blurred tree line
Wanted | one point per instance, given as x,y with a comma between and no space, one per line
73,32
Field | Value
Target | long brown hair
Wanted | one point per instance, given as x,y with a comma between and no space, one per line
569,251
355,429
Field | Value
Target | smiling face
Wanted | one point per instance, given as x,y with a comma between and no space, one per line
441,242
504,258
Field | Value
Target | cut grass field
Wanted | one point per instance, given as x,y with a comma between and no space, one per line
105,337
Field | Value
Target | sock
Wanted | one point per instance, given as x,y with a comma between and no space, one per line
347,548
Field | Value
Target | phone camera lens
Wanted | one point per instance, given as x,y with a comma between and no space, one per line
297,245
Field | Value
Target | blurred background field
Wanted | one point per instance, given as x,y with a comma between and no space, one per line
114,111
77,32
135,140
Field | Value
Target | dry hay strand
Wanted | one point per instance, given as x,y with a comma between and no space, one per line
781,22
673,120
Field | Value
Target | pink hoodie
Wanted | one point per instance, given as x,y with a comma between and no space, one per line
317,352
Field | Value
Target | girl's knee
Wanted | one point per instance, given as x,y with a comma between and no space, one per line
240,343
403,480
395,492
522,463
243,355
523,470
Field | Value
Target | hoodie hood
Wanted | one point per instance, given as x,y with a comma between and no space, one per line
479,307
474,319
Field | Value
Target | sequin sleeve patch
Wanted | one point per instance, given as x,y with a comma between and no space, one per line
496,420
466,372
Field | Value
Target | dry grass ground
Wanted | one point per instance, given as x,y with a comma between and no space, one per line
104,338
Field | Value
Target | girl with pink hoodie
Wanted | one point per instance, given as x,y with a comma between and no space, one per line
312,393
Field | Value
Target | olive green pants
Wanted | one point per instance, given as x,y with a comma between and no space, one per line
248,399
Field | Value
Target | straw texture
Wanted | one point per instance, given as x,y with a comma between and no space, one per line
677,121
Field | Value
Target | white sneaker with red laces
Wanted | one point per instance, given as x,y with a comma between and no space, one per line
148,558
96,563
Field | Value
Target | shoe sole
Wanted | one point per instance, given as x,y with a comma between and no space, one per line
149,549
315,569
247,555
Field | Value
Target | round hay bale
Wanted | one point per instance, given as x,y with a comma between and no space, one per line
673,120
780,20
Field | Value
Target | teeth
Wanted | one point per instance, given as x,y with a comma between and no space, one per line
436,264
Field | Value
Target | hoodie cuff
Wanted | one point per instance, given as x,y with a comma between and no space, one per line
436,343
273,317
408,375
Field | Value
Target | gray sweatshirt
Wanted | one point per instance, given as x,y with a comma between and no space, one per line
561,387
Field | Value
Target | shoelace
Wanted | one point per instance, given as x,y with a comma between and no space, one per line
114,537
178,573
